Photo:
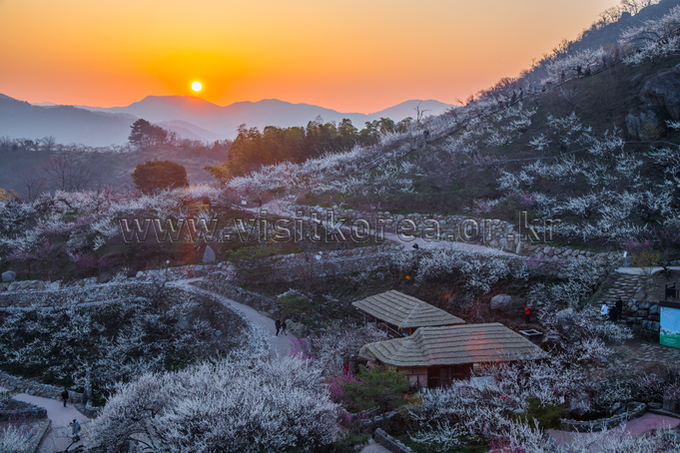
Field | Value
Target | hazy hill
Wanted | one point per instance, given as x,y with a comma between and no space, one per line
19,119
190,117
224,121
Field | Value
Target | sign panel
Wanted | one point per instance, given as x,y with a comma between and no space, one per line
670,327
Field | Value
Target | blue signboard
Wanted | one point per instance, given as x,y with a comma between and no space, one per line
670,327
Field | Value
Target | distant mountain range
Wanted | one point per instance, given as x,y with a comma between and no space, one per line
188,116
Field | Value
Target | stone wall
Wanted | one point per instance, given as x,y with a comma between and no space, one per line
25,411
86,294
218,283
389,442
644,317
303,266
633,410
20,385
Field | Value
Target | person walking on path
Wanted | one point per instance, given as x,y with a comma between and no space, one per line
604,310
527,314
613,314
283,327
75,430
619,308
64,396
278,326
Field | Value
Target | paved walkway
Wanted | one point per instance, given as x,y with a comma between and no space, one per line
634,427
58,437
643,271
280,345
372,447
639,352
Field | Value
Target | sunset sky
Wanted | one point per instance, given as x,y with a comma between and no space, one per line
351,56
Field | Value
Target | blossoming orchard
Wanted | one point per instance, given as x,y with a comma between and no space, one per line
500,277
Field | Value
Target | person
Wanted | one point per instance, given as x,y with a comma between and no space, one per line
604,310
283,327
527,314
613,314
278,326
75,429
64,396
619,307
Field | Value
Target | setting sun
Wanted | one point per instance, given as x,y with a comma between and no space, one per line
197,86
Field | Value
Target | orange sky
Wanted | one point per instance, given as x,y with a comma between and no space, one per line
351,56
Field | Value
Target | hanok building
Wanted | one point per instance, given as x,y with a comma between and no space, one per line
434,356
404,314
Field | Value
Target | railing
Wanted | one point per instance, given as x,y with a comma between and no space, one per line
390,330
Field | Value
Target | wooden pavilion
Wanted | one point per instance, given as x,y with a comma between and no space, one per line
403,314
434,356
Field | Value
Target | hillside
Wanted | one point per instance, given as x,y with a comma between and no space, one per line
597,151
66,124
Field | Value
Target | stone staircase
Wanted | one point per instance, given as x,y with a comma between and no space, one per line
625,286
642,315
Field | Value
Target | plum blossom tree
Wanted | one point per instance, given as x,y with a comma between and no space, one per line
14,440
236,405
653,38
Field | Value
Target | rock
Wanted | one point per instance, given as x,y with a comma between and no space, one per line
654,309
9,276
501,302
635,80
209,255
645,124
296,328
105,277
54,286
565,320
663,92
617,407
645,305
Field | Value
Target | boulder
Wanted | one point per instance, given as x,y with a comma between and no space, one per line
296,328
209,255
501,302
105,277
662,92
645,124
9,276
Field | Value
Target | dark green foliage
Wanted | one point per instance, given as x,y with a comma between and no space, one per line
253,149
382,387
155,176
145,134
547,415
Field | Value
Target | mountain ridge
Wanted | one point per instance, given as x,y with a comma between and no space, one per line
200,119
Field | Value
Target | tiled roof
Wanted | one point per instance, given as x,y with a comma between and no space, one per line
405,311
452,345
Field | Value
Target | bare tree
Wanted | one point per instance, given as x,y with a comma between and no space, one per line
34,185
48,144
68,172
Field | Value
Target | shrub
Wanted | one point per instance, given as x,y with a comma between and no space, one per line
155,176
547,415
382,387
